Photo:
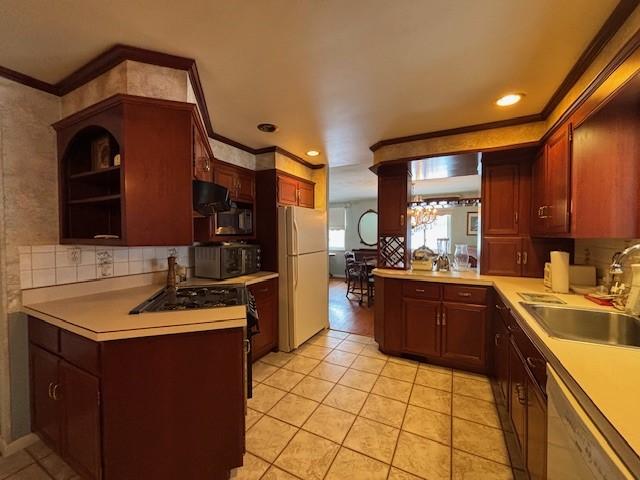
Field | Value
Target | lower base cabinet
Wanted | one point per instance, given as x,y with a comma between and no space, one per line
463,333
152,407
266,295
421,329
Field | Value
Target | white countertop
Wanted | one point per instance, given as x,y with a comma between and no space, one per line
608,375
105,316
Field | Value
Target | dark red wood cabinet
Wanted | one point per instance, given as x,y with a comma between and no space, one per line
443,324
125,171
152,407
266,295
239,181
394,239
501,197
295,191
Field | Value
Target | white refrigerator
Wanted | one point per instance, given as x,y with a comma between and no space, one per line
303,264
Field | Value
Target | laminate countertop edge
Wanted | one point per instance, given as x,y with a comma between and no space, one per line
555,350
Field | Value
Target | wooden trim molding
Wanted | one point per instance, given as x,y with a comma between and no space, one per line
27,80
286,153
609,28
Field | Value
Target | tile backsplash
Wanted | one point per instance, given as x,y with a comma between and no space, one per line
599,252
46,265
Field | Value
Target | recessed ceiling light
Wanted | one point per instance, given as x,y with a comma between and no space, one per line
267,127
509,99
313,153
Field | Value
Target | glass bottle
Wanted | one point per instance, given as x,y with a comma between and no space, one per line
461,258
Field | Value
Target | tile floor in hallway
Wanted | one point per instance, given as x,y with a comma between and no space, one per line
36,462
337,408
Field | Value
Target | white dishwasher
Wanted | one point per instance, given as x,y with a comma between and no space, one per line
576,450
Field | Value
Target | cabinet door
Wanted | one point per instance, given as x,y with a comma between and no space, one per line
306,194
392,205
536,432
202,164
80,395
501,199
245,186
538,193
45,411
464,333
266,295
421,332
226,177
537,251
287,190
501,256
501,351
517,394
557,174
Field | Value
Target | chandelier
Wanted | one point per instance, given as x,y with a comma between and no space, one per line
422,214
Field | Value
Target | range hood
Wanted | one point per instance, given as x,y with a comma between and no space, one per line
210,198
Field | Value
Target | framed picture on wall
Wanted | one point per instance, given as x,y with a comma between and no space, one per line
472,223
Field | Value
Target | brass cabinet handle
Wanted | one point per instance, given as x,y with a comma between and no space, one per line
420,290
522,397
535,362
444,317
247,345
54,392
516,217
525,257
496,339
518,258
50,388
438,317
464,294
501,308
402,220
511,328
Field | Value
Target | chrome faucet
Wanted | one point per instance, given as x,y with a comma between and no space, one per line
618,258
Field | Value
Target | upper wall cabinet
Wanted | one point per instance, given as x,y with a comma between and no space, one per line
125,171
239,181
552,183
606,168
295,191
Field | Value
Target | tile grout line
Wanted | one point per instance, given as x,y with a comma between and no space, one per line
37,462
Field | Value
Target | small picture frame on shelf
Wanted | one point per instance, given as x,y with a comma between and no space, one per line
100,153
472,223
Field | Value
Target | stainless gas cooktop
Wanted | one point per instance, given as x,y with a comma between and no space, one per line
190,298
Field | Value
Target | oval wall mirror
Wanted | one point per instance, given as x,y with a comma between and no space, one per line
368,228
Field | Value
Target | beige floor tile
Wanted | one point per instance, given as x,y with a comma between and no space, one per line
476,410
427,423
403,361
359,338
430,398
351,347
480,440
434,368
268,437
252,469
423,457
473,388
322,340
261,371
434,379
384,410
374,352
57,468
470,467
284,379
390,388
251,418
356,379
328,371
308,456
313,351
345,398
397,371
274,473
339,357
330,423
396,474
313,388
39,450
279,359
34,472
264,398
337,334
293,409
473,376
13,463
368,364
355,466
373,439
302,364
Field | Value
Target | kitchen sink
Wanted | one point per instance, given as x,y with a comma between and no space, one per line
587,325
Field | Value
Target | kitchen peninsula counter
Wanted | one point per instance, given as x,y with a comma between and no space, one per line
602,377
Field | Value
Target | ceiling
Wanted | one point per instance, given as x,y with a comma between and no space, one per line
335,75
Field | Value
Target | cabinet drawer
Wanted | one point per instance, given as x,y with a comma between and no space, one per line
425,290
45,335
534,360
80,351
464,294
263,289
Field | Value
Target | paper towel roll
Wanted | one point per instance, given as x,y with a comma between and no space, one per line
560,272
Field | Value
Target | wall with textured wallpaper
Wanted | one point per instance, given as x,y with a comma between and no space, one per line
599,252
